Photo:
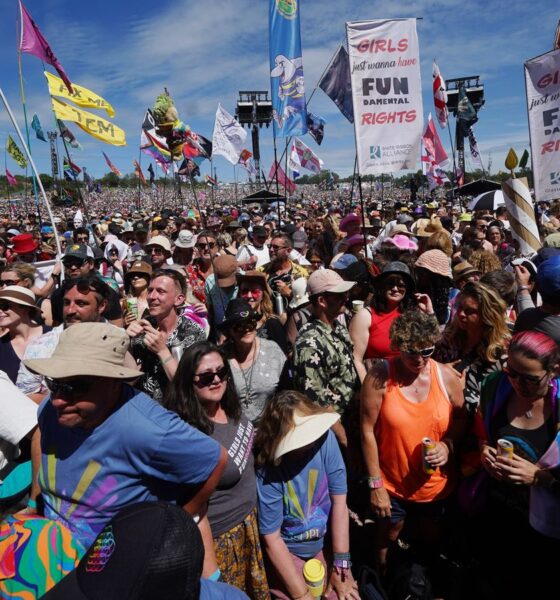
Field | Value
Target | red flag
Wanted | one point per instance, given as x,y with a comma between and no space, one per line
433,145
138,170
276,172
11,179
33,42
440,95
111,165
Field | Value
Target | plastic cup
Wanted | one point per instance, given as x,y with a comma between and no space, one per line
357,305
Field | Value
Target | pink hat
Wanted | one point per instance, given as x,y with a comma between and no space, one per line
402,242
348,219
326,280
354,240
435,261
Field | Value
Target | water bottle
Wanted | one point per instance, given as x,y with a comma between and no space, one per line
278,303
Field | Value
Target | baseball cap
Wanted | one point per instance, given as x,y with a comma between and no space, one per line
148,550
327,280
77,251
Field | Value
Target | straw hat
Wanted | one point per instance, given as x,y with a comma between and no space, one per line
425,227
102,356
19,295
436,262
306,429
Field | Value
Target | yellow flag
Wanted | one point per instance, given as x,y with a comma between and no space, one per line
96,126
81,96
15,152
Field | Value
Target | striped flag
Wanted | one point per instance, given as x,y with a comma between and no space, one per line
70,166
440,95
111,165
138,171
210,180
521,215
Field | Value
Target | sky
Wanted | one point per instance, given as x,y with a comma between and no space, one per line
205,52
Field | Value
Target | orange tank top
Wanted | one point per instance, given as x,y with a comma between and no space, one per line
399,430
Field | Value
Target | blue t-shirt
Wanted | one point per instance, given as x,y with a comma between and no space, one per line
295,496
215,590
141,452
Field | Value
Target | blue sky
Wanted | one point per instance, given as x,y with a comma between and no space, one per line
205,52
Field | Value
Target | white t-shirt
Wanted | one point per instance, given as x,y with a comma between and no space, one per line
247,250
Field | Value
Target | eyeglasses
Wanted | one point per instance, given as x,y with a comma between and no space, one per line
424,352
4,282
209,245
275,247
530,379
78,387
246,325
205,379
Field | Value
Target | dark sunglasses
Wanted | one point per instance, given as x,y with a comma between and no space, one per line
245,325
73,262
5,305
155,250
424,353
205,379
391,283
531,379
209,245
78,387
275,247
4,282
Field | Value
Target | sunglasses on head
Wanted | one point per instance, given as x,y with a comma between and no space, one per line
424,352
77,387
205,379
4,282
531,379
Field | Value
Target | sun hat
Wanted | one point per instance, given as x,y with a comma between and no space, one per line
299,293
233,225
140,266
349,220
13,231
399,229
159,240
148,550
24,243
255,276
396,268
462,270
87,349
306,429
139,227
225,270
436,262
425,227
185,239
402,242
327,280
19,295
238,309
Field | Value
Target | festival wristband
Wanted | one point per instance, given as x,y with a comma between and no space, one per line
342,564
215,575
31,503
166,360
374,483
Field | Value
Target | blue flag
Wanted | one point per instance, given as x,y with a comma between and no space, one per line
466,113
289,108
316,127
36,125
337,85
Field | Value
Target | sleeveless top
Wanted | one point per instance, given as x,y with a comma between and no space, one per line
379,344
399,430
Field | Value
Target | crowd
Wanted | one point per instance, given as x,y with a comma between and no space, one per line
318,388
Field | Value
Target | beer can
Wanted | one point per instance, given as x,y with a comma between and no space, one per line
505,448
132,306
427,444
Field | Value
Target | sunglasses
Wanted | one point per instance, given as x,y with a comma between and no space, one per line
275,247
209,245
156,251
246,292
424,353
74,263
4,282
398,283
246,325
205,379
5,305
530,379
78,387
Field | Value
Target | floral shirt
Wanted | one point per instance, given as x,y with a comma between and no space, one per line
323,366
197,280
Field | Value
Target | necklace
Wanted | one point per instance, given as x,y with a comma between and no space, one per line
249,379
529,414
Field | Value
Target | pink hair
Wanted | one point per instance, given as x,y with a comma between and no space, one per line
536,346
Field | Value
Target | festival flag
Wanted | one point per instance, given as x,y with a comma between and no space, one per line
71,167
276,172
97,127
15,152
68,136
440,95
88,180
36,126
524,159
459,176
210,180
466,114
138,171
197,147
302,156
229,136
246,161
336,83
189,167
316,127
11,179
475,154
434,158
152,174
80,95
111,165
33,42
289,107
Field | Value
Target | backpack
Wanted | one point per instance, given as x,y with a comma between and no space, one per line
410,582
369,584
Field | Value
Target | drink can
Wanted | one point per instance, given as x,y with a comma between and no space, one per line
505,448
132,306
314,575
427,444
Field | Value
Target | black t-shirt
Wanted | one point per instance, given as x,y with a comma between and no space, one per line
9,360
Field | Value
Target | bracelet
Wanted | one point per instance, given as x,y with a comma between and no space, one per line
374,483
215,575
342,564
341,555
522,287
166,360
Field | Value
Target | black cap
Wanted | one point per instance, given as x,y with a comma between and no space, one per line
77,251
149,550
238,310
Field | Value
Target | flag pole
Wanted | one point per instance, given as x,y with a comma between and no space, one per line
275,176
286,171
32,163
139,201
453,155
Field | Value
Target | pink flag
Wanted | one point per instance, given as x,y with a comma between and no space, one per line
277,172
33,42
433,145
440,95
11,179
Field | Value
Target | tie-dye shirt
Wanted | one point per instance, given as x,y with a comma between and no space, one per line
141,452
295,497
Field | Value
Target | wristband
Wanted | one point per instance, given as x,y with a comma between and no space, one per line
374,483
342,564
341,555
215,575
522,287
31,503
166,360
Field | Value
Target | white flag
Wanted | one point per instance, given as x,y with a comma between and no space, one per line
229,137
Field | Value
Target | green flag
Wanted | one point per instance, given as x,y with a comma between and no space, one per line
15,152
524,159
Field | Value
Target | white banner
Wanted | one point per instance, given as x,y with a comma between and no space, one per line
542,81
386,94
229,136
